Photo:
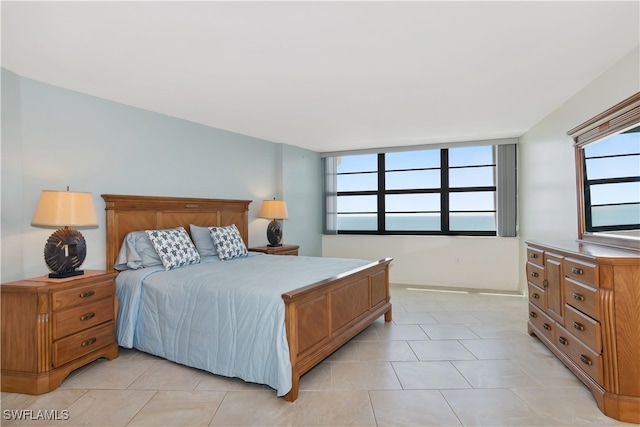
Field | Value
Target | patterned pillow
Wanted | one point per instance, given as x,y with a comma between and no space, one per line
228,242
174,247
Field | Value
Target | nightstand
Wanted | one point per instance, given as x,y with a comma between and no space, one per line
51,327
277,250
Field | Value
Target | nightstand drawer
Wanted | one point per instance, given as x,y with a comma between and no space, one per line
81,295
75,346
581,297
83,317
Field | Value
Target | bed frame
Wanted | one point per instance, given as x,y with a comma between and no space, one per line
319,318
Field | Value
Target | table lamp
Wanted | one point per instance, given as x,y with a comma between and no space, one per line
66,248
275,210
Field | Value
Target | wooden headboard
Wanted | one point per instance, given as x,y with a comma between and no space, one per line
133,213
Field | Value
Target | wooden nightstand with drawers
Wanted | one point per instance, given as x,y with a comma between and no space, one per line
51,327
277,250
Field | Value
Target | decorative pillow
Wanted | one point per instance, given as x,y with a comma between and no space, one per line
174,247
137,251
204,242
228,242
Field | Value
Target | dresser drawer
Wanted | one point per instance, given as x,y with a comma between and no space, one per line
75,346
535,274
581,271
76,319
541,321
584,357
581,297
536,295
535,256
583,327
81,295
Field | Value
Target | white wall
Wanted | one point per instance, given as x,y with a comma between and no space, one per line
439,261
53,138
546,171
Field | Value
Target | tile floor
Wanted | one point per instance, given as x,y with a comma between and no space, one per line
447,359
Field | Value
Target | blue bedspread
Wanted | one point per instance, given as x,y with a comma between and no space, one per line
225,317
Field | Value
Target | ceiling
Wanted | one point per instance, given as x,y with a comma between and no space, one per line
327,76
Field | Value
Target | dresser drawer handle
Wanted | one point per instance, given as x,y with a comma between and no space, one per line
87,316
87,294
533,314
563,341
534,274
546,326
578,297
535,296
578,326
534,256
584,359
576,270
88,342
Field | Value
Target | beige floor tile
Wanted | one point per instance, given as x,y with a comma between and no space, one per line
166,375
108,374
440,350
179,408
395,332
390,351
498,330
492,408
26,410
494,374
454,317
213,382
254,408
363,376
412,408
348,352
549,371
103,408
413,318
567,407
318,378
429,375
454,331
334,408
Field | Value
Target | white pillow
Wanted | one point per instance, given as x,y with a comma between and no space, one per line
174,247
228,242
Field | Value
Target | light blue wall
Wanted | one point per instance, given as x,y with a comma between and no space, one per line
53,138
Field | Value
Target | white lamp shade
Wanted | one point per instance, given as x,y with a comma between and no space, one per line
273,209
65,209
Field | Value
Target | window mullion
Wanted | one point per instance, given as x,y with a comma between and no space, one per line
381,193
444,194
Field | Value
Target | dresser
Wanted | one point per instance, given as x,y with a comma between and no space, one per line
52,326
584,305
277,250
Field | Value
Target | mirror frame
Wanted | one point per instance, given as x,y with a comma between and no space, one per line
621,116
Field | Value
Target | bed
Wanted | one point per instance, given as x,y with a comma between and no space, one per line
317,315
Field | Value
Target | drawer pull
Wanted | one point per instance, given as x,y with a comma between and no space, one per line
88,342
584,359
87,294
578,297
533,314
534,274
546,326
578,326
576,270
534,256
563,341
535,296
87,316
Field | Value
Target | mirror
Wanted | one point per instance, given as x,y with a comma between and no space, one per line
608,176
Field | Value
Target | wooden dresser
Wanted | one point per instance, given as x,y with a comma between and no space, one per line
584,304
52,326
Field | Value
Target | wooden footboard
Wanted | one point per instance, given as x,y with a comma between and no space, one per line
322,317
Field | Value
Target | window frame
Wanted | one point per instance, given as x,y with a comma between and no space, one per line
444,191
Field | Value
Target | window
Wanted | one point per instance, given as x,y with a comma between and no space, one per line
612,183
450,190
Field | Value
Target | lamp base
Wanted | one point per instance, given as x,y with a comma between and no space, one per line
66,274
274,246
274,233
